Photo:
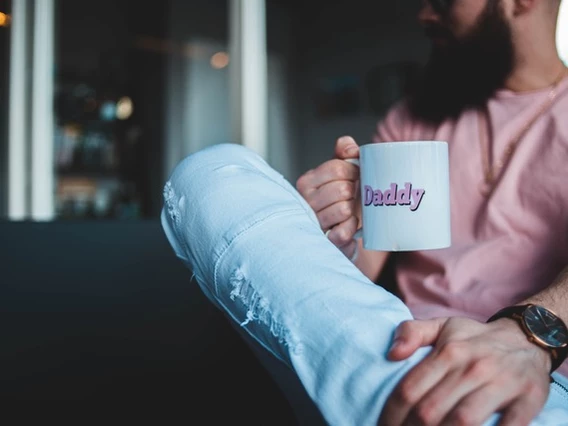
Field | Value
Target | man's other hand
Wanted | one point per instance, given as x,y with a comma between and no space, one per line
473,371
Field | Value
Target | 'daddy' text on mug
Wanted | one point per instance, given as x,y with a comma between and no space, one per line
407,196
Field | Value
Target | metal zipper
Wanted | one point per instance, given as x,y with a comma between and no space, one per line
562,387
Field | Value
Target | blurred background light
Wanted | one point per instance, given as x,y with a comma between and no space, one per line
4,19
124,108
219,60
108,111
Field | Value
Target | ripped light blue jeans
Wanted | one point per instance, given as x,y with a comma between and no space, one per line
258,253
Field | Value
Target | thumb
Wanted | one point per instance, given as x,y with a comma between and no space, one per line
346,147
413,334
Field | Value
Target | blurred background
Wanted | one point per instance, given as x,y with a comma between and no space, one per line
99,100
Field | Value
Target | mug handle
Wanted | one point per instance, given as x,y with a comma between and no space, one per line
359,233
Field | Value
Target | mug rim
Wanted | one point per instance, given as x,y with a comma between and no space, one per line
404,143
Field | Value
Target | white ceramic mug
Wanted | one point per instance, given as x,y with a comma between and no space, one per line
405,195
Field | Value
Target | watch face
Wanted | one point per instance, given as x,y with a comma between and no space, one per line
546,326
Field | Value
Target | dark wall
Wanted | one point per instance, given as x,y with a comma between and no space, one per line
101,322
347,39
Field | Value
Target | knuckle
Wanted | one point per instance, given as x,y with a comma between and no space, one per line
405,393
425,414
338,170
343,236
451,351
480,368
345,210
302,183
345,190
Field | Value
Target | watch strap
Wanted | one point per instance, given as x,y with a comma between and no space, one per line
509,312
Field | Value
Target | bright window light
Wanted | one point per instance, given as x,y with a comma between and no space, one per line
562,32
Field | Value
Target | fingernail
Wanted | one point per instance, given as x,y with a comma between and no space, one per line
397,343
352,151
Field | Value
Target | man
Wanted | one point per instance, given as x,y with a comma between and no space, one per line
259,250
496,90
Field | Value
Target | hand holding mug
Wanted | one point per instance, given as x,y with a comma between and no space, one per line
333,191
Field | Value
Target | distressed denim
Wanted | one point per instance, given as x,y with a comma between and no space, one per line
259,255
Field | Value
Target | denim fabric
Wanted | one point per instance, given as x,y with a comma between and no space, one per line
259,254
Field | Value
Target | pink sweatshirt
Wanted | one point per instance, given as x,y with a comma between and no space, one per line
514,245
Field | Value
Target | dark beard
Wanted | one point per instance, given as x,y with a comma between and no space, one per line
465,73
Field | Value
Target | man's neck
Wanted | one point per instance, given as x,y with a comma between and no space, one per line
535,70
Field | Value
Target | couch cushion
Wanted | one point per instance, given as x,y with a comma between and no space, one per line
101,316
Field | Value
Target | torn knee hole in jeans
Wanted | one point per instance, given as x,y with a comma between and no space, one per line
258,310
169,198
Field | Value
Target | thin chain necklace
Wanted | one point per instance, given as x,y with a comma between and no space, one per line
492,173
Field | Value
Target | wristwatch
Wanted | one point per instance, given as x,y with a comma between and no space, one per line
542,327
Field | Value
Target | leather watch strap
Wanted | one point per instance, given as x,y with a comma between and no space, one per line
509,312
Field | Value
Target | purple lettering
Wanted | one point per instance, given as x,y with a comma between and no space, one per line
407,196
417,195
403,196
368,195
390,195
378,199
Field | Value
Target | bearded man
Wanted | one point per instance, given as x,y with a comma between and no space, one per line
479,328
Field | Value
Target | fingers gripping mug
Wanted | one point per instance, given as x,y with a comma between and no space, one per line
405,195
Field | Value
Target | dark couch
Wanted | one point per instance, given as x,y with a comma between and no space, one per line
101,323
